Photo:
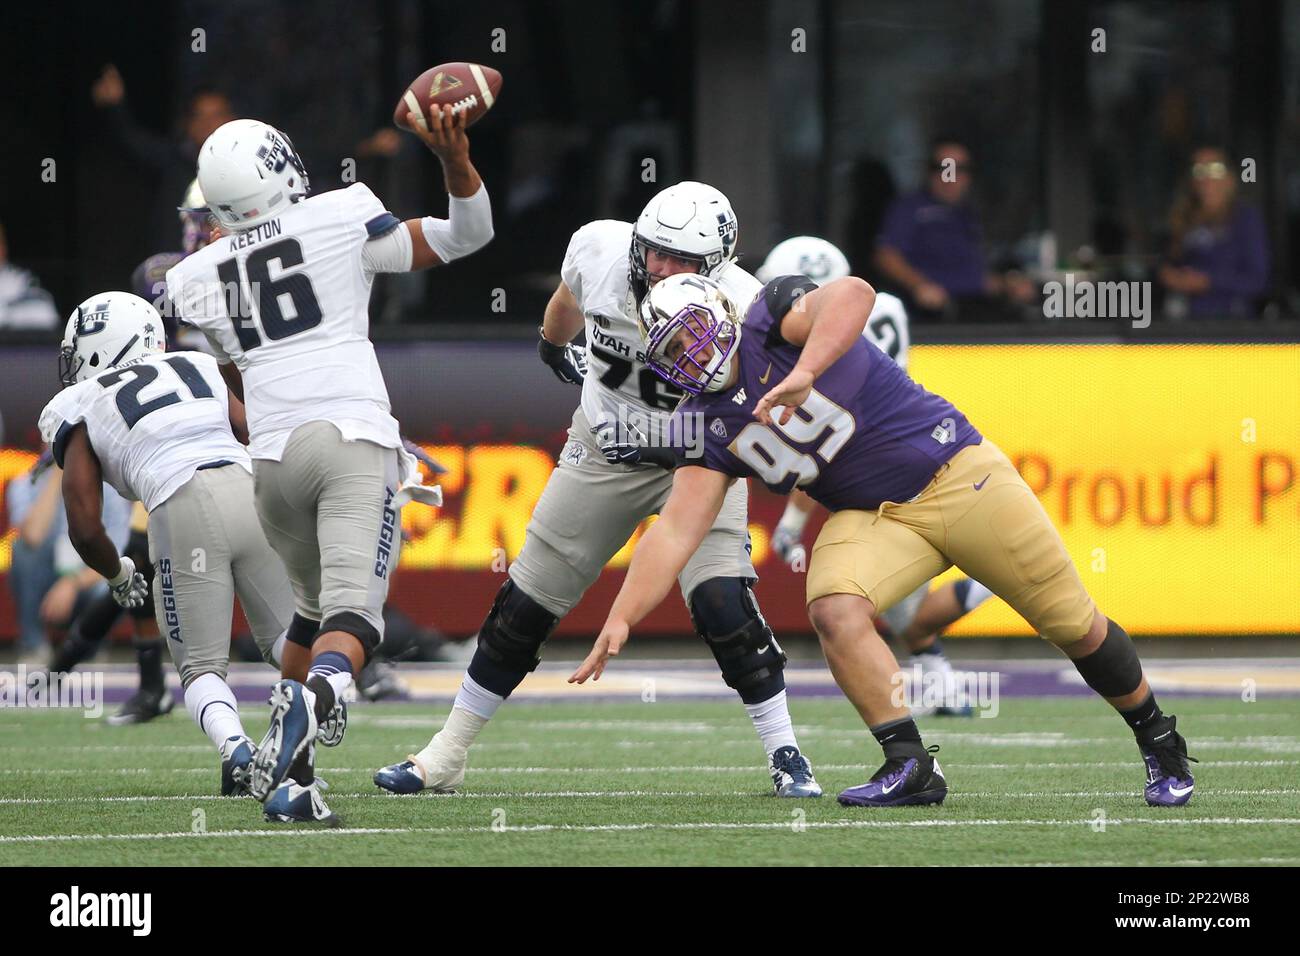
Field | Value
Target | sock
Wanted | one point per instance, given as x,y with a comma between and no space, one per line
1144,716
148,656
329,677
899,738
971,594
772,721
211,703
458,733
476,699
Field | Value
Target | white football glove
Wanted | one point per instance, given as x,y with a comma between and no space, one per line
128,586
787,545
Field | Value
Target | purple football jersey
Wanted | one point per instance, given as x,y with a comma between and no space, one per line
867,433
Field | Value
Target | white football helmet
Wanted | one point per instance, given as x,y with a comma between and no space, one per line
689,220
807,256
700,359
109,330
250,172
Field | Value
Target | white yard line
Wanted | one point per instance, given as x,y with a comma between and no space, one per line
639,827
326,770
959,795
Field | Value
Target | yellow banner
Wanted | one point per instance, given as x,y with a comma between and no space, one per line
1170,470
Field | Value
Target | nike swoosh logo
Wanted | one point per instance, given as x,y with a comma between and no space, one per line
890,789
981,484
1179,791
763,649
763,379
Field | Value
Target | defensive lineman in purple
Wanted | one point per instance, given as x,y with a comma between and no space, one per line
794,396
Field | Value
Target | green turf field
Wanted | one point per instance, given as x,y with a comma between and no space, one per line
666,783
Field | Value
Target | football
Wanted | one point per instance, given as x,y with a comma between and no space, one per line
465,87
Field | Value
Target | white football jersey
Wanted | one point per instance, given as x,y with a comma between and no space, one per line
887,328
596,271
302,345
151,424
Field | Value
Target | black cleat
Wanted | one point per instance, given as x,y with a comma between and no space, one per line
143,707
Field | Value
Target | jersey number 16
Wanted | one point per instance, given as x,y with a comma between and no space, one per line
269,294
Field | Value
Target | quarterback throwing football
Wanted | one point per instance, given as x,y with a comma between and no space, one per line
282,299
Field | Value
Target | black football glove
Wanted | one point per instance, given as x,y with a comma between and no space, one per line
568,362
627,446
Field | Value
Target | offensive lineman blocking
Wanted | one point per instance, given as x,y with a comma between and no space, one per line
331,474
609,480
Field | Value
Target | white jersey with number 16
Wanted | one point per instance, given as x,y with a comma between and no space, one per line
287,302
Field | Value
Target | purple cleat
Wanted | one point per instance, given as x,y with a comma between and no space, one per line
901,782
1164,751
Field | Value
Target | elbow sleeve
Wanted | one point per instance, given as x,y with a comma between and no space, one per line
467,228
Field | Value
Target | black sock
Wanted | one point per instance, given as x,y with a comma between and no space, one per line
934,648
1144,716
900,738
148,655
319,686
86,634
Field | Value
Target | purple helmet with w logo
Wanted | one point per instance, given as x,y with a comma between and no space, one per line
691,329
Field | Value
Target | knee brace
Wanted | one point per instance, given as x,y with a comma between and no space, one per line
302,631
1113,669
515,630
352,623
726,616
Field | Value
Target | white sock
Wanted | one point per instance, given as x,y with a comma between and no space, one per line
772,721
211,703
477,699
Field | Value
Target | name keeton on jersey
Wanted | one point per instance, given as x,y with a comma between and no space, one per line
618,381
151,423
299,287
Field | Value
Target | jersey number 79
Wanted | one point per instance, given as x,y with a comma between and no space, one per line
269,293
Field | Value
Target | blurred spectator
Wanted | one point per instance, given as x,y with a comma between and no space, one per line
23,303
1218,259
49,581
931,245
172,162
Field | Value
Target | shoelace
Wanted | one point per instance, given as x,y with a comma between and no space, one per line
1171,756
793,763
894,764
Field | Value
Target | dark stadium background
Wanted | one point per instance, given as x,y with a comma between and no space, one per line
1088,146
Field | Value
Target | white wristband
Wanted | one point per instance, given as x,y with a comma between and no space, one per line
123,575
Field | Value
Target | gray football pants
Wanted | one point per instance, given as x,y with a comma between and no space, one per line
207,547
590,508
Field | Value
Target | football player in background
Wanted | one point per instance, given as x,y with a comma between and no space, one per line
913,489
917,619
282,299
160,429
609,480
